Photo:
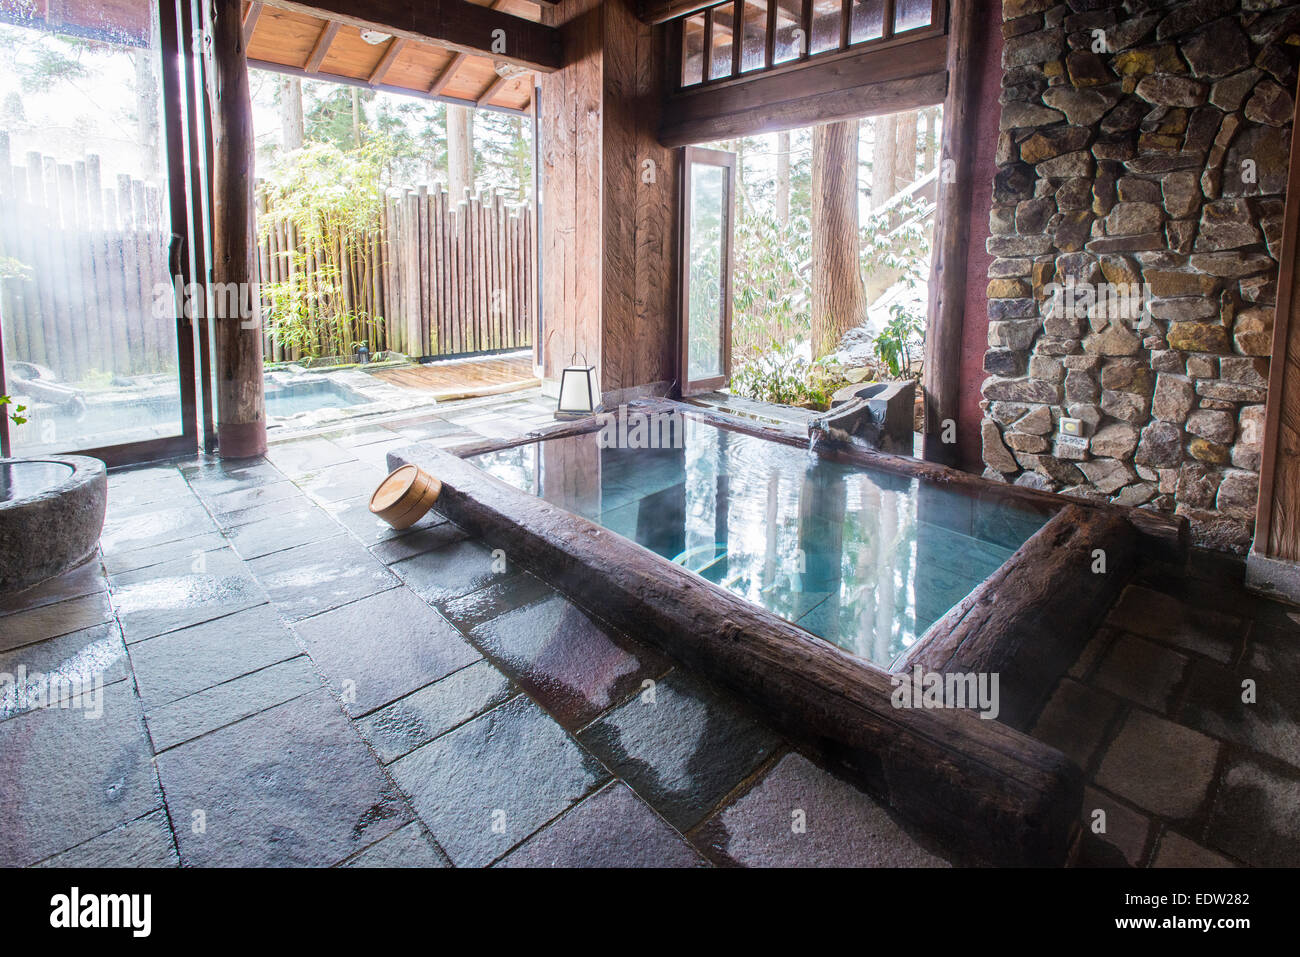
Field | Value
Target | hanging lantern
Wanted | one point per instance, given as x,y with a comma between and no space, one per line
579,393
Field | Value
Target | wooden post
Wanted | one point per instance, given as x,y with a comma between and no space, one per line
941,374
241,407
1273,566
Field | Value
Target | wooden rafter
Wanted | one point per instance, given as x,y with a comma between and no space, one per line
395,48
251,16
455,24
485,97
322,47
448,72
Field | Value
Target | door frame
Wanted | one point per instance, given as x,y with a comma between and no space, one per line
176,57
692,155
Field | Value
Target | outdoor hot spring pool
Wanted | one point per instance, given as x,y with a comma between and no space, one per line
867,560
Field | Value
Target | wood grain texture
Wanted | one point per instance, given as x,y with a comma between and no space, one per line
941,376
241,410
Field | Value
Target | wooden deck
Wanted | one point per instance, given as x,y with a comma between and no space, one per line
466,378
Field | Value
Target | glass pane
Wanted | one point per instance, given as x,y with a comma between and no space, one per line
911,14
789,34
707,305
753,53
723,20
868,22
693,50
827,16
87,309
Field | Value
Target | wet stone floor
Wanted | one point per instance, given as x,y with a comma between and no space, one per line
287,681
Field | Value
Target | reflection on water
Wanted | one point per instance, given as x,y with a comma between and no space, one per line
864,559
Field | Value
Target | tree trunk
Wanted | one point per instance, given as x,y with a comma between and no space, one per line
783,178
905,151
241,408
460,152
356,117
882,160
292,130
838,297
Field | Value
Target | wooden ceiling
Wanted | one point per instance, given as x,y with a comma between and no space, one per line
312,46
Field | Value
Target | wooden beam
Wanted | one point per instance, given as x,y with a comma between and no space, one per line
448,73
886,79
941,377
1273,566
455,24
486,96
241,408
250,20
1029,622
661,11
395,48
322,47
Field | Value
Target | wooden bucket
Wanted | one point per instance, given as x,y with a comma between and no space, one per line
405,496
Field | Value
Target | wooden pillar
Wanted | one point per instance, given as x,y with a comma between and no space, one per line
241,405
941,375
1273,566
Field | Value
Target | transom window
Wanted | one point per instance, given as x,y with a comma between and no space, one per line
729,40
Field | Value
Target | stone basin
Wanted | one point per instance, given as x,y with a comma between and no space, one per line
51,516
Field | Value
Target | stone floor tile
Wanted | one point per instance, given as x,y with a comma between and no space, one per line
216,707
132,487
1271,724
1092,654
292,527
493,781
87,578
339,482
354,514
383,647
435,709
161,598
216,477
155,527
452,571
1256,816
62,667
572,666
1142,671
1177,851
1122,843
1160,766
50,621
301,457
1075,720
439,534
682,749
310,579
801,816
182,662
612,828
49,802
430,428
409,846
470,611
241,500
119,563
145,842
293,786
1153,614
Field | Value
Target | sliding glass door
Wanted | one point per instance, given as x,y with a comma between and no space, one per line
93,214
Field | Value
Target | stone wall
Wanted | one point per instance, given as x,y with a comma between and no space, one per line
1135,229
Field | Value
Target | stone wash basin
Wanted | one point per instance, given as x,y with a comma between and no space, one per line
51,516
